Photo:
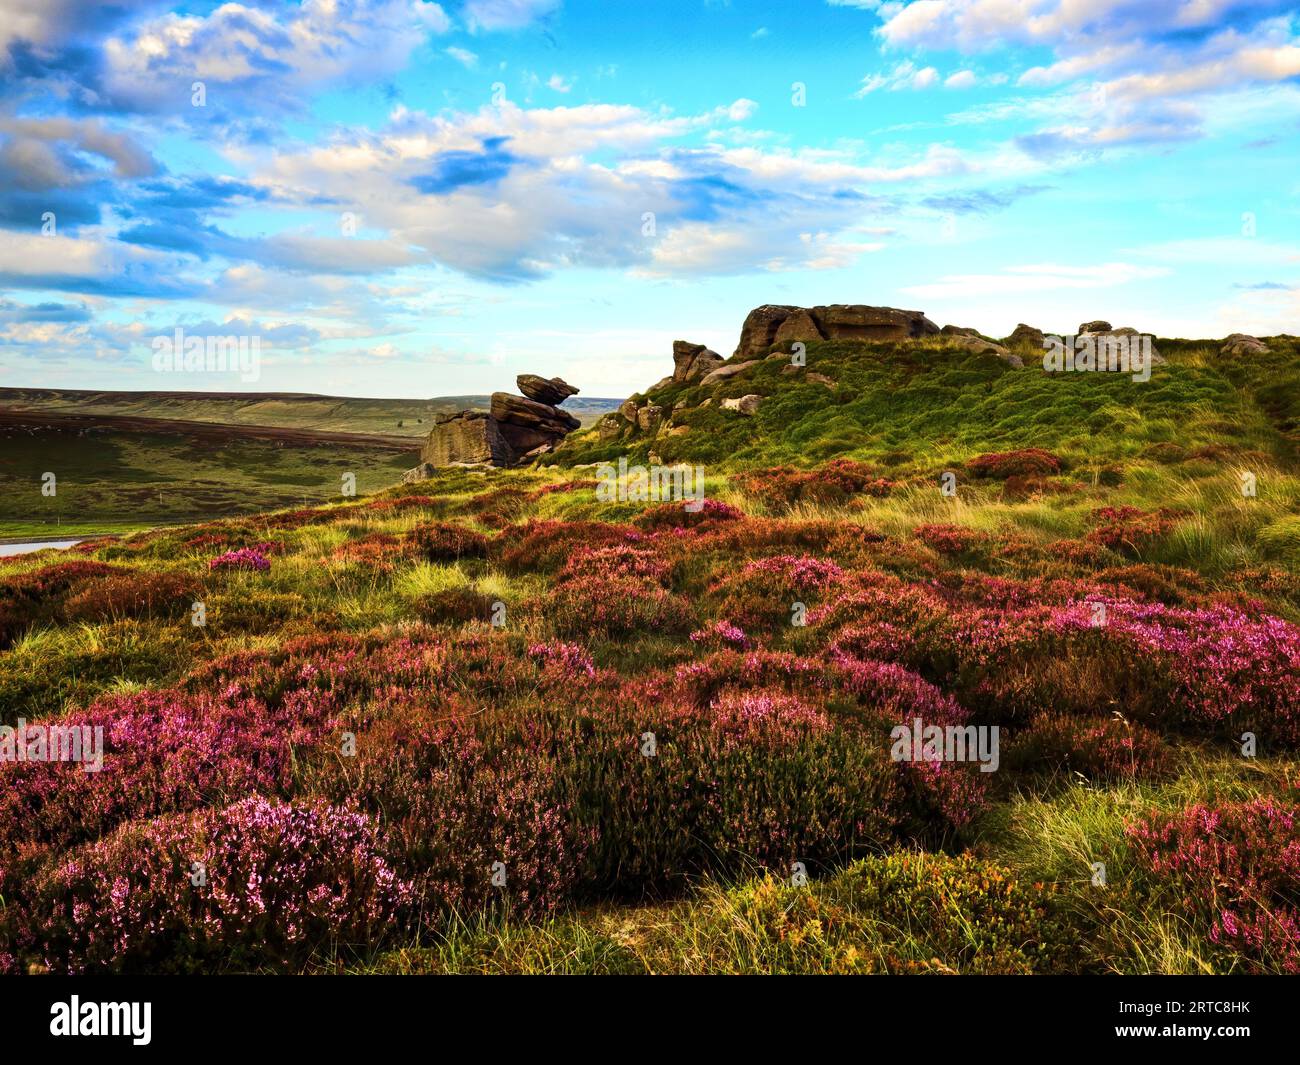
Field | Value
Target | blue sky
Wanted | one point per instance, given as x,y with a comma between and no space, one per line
403,198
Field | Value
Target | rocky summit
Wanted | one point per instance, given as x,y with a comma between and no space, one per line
515,430
774,324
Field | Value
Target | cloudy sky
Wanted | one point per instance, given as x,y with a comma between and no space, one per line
403,198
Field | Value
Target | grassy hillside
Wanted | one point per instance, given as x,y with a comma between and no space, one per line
506,726
391,417
113,476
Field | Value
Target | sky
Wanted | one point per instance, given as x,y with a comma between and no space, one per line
406,199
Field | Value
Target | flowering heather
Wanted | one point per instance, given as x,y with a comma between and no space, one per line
1131,530
838,481
722,634
1098,748
401,503
568,660
802,571
619,606
618,560
711,513
765,717
281,882
949,539
134,594
444,542
1237,868
246,558
1025,462
544,546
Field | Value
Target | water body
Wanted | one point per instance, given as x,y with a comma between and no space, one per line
6,550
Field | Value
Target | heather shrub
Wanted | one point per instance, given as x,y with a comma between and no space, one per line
1131,530
245,558
711,514
1024,462
761,596
544,546
459,605
950,539
26,598
834,483
132,595
281,883
1236,870
619,606
444,542
1098,748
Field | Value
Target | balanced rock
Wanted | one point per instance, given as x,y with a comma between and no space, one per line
765,326
516,410
552,391
515,429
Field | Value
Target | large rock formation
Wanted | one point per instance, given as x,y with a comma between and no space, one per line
693,360
779,324
514,430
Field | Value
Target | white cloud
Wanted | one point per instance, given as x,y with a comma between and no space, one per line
463,56
962,79
905,75
1039,277
506,14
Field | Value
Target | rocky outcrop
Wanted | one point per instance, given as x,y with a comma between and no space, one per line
959,331
468,436
552,391
693,360
779,324
1094,327
1025,335
516,429
1243,344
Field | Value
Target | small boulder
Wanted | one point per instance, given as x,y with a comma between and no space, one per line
649,417
1243,344
693,360
628,409
1094,327
747,405
421,472
724,372
959,331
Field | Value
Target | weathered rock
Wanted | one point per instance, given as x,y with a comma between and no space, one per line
1025,335
977,344
821,379
421,472
1243,344
725,372
838,321
516,410
797,327
470,436
628,409
679,430
747,405
693,360
663,382
551,391
649,417
1094,327
959,331
609,428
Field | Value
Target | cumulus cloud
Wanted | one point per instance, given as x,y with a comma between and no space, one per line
506,14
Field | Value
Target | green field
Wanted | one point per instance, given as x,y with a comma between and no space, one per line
289,410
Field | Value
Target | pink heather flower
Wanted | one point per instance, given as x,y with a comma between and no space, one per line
245,558
722,632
